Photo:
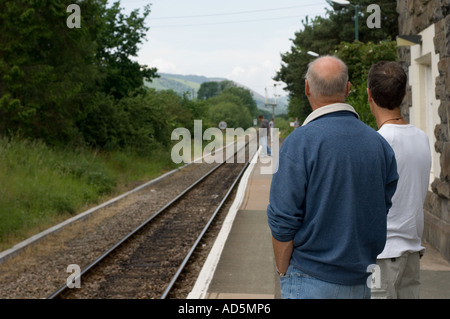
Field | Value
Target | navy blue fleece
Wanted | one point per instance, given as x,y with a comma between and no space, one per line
331,195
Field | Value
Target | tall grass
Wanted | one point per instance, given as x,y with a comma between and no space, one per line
40,186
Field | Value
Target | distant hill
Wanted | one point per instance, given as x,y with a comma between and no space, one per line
179,83
191,83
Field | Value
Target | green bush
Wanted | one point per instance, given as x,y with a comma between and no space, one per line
140,123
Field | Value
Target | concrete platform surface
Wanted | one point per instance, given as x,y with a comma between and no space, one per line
242,266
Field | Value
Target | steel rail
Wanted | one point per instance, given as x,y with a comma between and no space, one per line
65,287
199,238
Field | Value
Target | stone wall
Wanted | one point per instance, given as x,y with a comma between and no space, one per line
414,17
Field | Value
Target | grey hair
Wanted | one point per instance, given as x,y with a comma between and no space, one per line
320,86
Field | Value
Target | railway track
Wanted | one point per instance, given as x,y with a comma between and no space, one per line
147,262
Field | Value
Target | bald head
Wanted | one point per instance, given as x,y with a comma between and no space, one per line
327,77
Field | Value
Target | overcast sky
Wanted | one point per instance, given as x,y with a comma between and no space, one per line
240,40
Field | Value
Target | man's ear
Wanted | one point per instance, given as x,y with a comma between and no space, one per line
307,92
372,103
347,89
369,95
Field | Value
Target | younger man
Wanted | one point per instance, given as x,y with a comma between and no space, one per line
399,261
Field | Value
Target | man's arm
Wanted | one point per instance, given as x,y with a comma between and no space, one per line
283,253
285,211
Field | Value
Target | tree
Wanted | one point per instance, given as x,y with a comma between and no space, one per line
323,35
213,88
208,90
230,106
359,57
46,68
51,74
342,19
245,96
118,42
235,115
292,72
139,122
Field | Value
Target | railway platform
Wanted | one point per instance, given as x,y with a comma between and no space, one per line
241,263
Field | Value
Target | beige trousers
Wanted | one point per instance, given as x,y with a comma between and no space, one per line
400,277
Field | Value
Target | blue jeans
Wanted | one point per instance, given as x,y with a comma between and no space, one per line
298,285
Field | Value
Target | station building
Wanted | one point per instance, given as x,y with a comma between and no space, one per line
427,103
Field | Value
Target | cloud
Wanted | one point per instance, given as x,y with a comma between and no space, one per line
164,66
256,74
237,72
252,68
267,64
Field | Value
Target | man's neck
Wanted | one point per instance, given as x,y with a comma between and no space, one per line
318,104
386,116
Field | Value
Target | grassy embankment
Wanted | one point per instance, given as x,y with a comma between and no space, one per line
41,186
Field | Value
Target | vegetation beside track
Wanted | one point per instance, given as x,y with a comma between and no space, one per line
44,185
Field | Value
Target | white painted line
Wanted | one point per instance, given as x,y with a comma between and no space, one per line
201,286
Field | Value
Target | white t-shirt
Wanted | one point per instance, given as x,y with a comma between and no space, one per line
405,218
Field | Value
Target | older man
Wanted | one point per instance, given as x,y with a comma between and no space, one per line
331,194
